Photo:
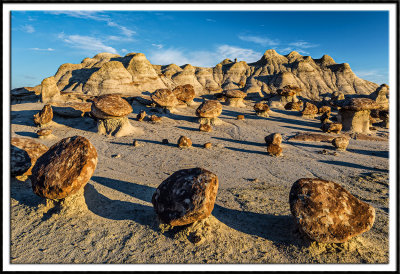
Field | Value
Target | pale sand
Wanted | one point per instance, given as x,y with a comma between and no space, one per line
113,221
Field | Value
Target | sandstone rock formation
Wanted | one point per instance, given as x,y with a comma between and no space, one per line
64,169
208,112
184,93
49,90
133,74
165,98
384,115
235,98
111,112
32,148
261,109
186,196
331,127
43,117
354,114
328,213
380,96
309,110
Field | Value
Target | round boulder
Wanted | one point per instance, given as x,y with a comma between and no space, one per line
164,98
209,111
186,196
184,93
110,106
262,109
65,168
20,162
328,213
43,117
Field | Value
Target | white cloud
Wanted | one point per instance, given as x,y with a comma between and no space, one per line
159,46
124,50
202,58
28,28
98,16
378,76
288,50
303,44
264,41
88,43
210,20
38,49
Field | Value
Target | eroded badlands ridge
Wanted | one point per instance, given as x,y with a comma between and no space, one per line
133,74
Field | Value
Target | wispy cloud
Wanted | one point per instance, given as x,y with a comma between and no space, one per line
264,41
159,46
290,49
211,20
87,43
378,76
202,58
303,44
28,28
38,49
95,15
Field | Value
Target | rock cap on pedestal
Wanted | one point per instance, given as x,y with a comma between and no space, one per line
110,105
209,109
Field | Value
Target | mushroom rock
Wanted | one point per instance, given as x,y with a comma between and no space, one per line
286,94
185,93
261,109
186,196
49,90
209,111
184,142
340,143
296,106
165,98
187,76
309,110
325,117
331,127
32,148
111,112
72,109
354,114
274,138
64,169
274,150
380,96
235,98
43,117
327,213
20,162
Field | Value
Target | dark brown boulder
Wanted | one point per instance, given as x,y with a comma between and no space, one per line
65,168
309,110
33,148
324,109
331,127
205,128
209,109
44,116
110,106
261,109
297,106
44,132
184,93
164,98
186,196
20,162
328,213
274,150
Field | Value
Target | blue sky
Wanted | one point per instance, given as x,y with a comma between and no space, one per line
43,40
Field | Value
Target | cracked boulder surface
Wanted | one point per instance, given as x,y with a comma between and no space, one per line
64,169
185,197
327,213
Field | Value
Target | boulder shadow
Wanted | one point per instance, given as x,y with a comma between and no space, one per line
241,142
303,129
247,150
23,117
382,154
82,123
27,134
286,120
279,229
234,114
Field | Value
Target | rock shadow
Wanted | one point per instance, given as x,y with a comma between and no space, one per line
82,123
23,117
247,150
382,154
241,142
279,229
286,120
234,114
303,129
27,134
310,145
352,165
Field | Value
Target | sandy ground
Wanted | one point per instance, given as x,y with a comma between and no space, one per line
112,219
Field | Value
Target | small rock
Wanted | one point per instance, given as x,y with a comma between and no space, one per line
331,127
154,118
135,143
141,116
184,142
44,132
116,156
340,143
240,117
274,138
207,145
44,116
205,128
